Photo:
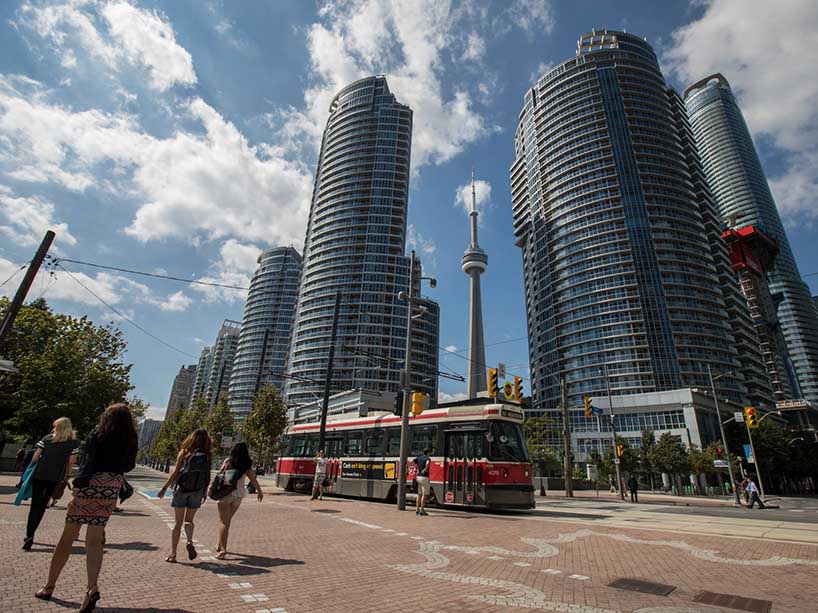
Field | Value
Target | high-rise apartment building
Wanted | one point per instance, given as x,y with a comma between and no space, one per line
743,195
617,264
264,339
202,374
148,430
355,246
221,362
182,390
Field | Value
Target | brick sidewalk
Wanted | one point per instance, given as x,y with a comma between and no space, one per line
344,555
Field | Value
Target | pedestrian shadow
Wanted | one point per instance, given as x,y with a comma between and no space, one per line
246,565
234,570
129,514
134,546
8,489
70,604
264,561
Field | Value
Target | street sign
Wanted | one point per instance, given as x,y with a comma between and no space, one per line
501,370
616,460
739,417
720,463
592,472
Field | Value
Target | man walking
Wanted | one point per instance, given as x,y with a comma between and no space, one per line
752,490
633,486
422,479
320,476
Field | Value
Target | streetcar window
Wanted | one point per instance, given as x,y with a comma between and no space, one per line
506,442
298,444
375,443
286,445
311,446
423,437
334,447
393,441
353,443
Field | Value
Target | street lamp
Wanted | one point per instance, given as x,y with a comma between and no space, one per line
406,375
721,429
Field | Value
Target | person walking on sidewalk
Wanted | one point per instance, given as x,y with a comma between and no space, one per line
110,452
752,490
190,479
633,487
236,468
424,463
320,480
54,457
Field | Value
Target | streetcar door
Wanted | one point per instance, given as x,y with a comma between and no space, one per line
462,471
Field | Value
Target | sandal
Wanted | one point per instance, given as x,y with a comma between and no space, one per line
171,558
90,599
221,555
191,551
45,592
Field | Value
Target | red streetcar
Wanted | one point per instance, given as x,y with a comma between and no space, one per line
477,447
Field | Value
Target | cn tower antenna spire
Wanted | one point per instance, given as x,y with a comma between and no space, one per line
474,263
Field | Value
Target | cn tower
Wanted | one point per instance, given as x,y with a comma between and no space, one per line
474,263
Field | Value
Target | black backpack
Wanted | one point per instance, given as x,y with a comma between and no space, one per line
195,473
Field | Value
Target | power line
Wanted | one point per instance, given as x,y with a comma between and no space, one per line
481,365
14,274
150,274
510,340
122,315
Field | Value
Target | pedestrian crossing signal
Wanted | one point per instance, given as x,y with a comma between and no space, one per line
588,409
420,402
398,408
620,449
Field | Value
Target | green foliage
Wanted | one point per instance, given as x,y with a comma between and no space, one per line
219,421
670,456
265,424
536,431
68,366
170,436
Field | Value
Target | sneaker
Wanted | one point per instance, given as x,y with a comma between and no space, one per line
417,512
422,512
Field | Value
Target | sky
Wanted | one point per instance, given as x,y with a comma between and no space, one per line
181,138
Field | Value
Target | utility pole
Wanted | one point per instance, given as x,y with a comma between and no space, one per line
406,386
566,441
613,435
25,285
322,434
723,437
755,460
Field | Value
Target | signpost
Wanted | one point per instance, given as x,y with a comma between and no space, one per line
738,416
720,463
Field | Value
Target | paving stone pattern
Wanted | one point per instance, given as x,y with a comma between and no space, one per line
369,558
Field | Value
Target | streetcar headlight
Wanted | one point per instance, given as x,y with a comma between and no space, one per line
526,473
505,474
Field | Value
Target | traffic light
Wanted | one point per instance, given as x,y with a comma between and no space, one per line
420,402
588,410
398,404
493,389
750,417
620,449
518,389
508,390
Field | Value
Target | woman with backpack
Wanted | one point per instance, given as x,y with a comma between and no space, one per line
190,479
235,468
53,460
110,452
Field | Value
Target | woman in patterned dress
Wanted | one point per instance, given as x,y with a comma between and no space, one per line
110,451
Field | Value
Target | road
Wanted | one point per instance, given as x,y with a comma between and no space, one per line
292,555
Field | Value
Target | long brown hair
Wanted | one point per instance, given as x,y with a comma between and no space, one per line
198,440
116,427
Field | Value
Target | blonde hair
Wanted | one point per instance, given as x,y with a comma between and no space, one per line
63,430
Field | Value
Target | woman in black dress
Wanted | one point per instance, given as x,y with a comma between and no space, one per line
110,451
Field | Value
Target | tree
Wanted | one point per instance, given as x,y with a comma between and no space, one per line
670,456
646,446
68,367
138,407
170,437
537,431
265,424
218,422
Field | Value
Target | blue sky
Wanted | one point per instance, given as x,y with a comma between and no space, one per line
181,137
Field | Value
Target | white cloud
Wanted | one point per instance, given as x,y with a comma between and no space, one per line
411,46
769,54
115,34
452,348
542,68
176,302
531,15
147,38
482,196
426,247
447,397
235,266
29,218
153,412
213,184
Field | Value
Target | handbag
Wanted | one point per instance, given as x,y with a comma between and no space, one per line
219,487
126,491
25,490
